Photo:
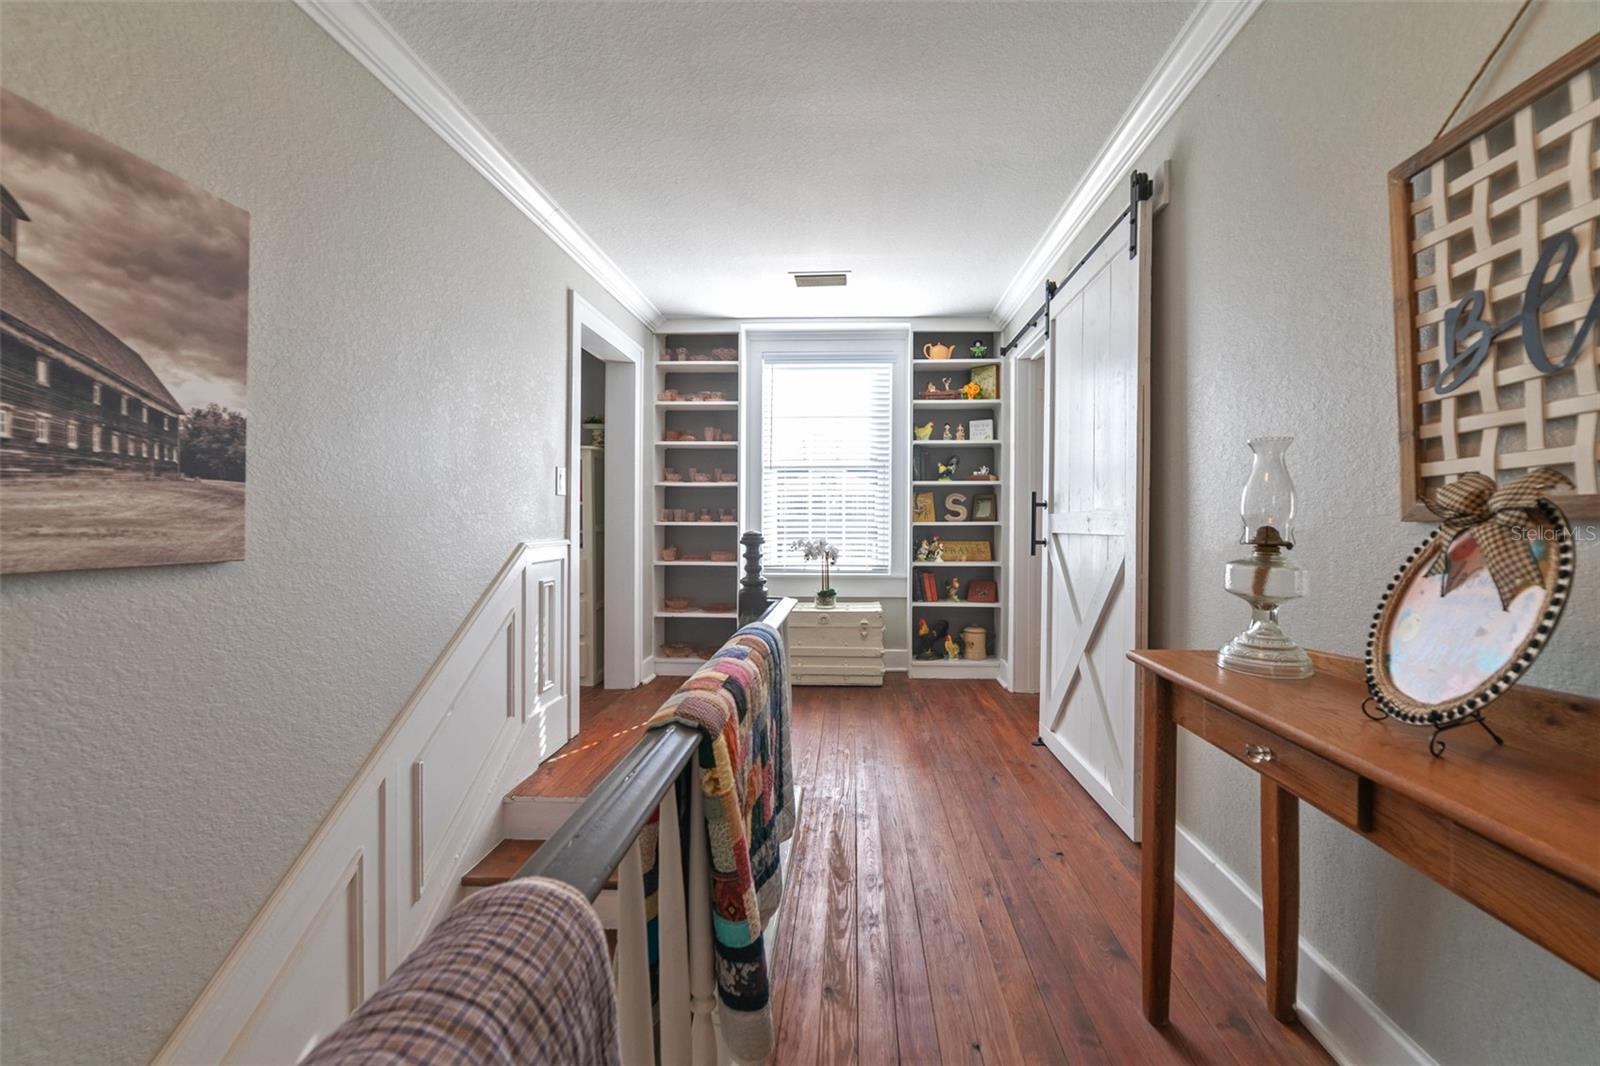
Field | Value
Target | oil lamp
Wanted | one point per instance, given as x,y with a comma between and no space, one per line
1266,579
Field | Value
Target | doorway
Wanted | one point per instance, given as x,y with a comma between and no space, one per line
604,506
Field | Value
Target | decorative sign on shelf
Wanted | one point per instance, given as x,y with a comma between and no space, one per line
1497,291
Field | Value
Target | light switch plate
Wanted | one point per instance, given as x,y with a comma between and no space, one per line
561,481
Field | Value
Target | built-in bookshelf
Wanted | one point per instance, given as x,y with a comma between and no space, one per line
956,496
696,458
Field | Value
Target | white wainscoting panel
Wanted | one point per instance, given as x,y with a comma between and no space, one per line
386,864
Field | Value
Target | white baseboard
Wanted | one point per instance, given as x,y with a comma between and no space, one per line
1349,1025
897,659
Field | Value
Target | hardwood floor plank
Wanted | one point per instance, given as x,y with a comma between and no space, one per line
982,859
836,1036
876,1038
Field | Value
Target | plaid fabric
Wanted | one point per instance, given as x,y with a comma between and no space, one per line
739,700
1499,519
516,974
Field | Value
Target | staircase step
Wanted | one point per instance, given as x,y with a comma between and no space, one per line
502,864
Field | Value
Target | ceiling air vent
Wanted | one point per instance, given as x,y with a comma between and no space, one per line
813,279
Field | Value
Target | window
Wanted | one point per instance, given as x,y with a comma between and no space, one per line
124,404
116,444
96,387
144,413
166,423
827,458
144,449
96,438
72,432
41,427
41,371
5,422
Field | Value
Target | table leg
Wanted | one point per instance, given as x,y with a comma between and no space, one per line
1280,895
1159,828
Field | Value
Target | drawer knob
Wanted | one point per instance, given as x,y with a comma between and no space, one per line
1257,753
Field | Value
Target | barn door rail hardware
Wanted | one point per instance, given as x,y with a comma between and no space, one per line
1140,187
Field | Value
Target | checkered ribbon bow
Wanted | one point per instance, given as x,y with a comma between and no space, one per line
1499,517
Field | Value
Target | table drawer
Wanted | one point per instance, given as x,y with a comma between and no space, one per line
1338,792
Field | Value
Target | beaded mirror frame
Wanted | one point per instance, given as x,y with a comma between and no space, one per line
1413,611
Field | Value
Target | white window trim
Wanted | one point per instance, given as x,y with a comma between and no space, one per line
116,444
96,439
72,433
851,341
124,403
41,428
144,413
96,393
41,370
8,415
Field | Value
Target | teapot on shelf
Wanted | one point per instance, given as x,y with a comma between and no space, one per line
938,351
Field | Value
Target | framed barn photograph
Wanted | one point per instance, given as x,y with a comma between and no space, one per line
124,295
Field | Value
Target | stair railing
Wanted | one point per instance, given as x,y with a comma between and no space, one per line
602,836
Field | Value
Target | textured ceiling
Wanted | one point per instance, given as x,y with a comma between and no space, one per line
710,148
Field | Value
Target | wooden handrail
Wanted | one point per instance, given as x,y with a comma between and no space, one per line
590,844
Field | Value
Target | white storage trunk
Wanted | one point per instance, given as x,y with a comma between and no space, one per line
840,645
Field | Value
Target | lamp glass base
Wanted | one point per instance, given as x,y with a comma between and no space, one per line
1264,650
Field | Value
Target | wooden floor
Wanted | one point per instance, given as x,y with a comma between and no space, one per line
954,896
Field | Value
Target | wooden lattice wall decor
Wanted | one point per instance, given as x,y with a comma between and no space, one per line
1492,226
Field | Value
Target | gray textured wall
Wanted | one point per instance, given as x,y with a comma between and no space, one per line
1272,316
172,736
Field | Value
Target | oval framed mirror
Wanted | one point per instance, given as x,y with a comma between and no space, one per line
1441,648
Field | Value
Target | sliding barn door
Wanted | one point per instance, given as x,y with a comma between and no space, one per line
1095,480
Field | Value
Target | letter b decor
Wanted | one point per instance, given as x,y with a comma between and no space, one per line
1497,291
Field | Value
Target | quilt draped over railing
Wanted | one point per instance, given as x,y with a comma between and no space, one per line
739,701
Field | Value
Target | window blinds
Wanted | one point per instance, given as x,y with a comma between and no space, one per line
826,460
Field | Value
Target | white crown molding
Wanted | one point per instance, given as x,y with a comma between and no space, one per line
1202,39
375,45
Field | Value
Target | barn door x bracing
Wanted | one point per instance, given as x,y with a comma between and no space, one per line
1095,468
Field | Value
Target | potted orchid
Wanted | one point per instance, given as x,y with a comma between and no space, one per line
813,550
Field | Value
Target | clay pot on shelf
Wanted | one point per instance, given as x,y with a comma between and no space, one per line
669,553
722,555
677,603
669,474
720,608
975,641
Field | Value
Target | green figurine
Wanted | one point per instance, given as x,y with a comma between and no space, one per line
978,350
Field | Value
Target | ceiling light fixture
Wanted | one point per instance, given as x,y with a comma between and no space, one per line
810,279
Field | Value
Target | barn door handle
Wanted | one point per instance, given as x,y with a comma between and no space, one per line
1035,504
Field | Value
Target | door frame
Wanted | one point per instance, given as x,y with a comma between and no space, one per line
588,330
1025,471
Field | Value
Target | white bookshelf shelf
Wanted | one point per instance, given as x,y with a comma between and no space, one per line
958,612
701,581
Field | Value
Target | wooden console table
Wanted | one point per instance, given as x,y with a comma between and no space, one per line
1513,828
